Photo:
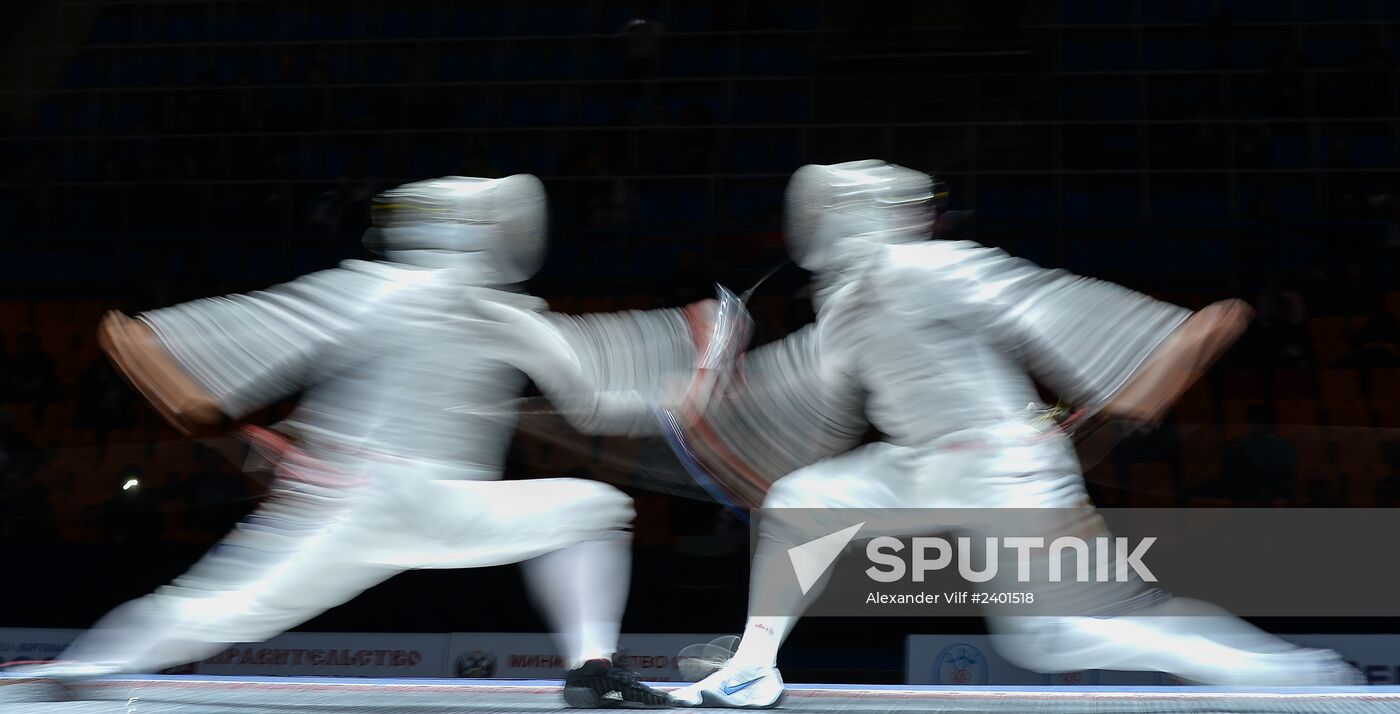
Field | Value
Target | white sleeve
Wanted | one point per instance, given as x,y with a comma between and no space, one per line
1085,338
788,408
606,373
249,350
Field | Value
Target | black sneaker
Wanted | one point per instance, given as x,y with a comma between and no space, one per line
600,683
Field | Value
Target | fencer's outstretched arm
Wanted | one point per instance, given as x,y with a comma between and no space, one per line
139,356
1100,345
209,360
790,405
608,373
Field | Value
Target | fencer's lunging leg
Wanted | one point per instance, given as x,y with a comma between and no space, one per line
583,592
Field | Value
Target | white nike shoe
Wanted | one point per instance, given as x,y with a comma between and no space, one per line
734,687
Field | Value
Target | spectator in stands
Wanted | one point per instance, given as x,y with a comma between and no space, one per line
31,374
1388,491
1355,293
4,368
1373,342
1280,315
641,43
104,400
215,495
1372,55
18,456
1322,493
26,513
1263,467
477,164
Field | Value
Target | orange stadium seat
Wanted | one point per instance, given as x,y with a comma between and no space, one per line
1356,446
1392,304
1296,411
1362,481
1329,476
1327,329
53,312
1327,353
1243,384
1292,384
1387,413
87,313
1385,382
1313,444
1237,416
14,319
1340,384
1196,406
1201,456
1348,412
1150,485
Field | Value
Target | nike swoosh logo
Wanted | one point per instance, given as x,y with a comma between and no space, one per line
732,688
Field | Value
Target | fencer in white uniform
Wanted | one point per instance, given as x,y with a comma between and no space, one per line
388,472
935,341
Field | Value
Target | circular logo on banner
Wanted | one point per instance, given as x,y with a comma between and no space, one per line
477,664
1072,679
960,664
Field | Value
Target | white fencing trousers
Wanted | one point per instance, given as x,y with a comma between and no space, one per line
1141,628
311,547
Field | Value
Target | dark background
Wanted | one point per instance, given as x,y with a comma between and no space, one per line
155,152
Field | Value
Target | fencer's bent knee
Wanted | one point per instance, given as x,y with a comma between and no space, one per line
604,507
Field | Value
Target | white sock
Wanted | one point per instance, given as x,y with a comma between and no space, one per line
582,590
771,591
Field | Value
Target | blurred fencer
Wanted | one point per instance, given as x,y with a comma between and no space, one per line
379,469
935,341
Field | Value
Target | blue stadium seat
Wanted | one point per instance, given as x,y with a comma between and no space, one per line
1207,204
1334,9
685,62
467,21
1250,54
804,15
696,17
1295,202
1289,151
1259,10
398,23
1120,204
596,111
1173,11
1169,205
182,28
85,72
1330,53
1081,205
692,206
502,21
761,61
1375,150
1118,55
112,29
452,66
1176,54
1037,203
655,206
383,68
319,25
